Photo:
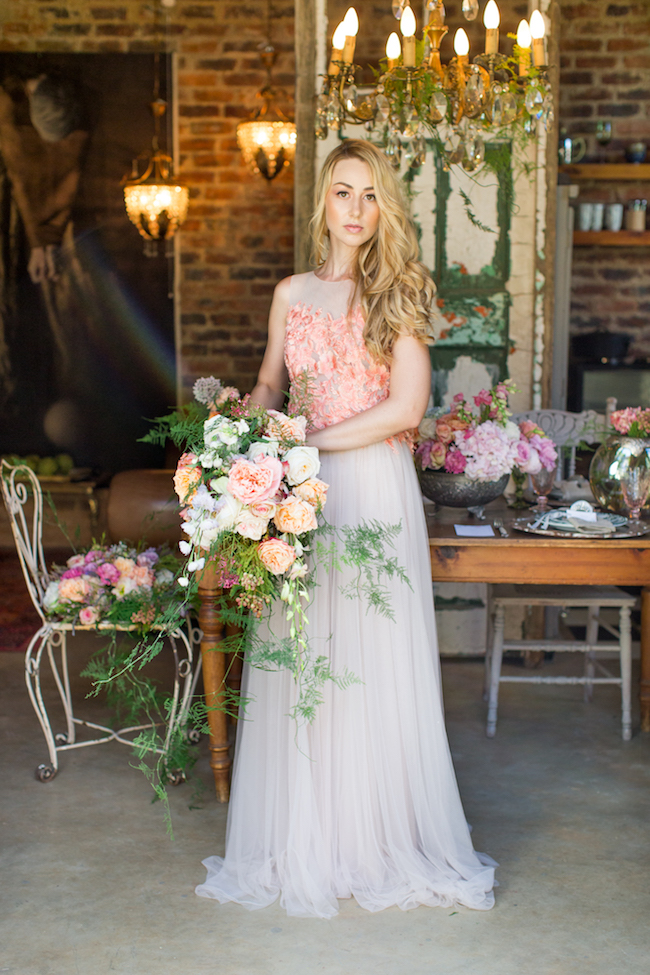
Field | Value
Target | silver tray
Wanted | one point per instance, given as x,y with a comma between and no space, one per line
623,531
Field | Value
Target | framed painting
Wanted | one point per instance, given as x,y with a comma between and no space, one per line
87,349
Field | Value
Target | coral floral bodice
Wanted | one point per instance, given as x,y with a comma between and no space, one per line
325,342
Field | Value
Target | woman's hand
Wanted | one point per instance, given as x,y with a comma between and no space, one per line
273,379
410,388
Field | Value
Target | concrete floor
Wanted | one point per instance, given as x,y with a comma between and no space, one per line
92,885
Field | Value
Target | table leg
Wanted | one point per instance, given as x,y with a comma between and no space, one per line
214,670
645,659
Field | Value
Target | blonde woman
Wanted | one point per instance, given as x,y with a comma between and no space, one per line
363,801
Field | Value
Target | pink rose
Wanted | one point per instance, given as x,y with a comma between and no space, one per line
89,615
248,482
143,576
283,427
75,560
437,455
455,462
295,516
444,432
527,458
528,428
263,510
277,556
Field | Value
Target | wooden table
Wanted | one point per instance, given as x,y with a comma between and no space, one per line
520,558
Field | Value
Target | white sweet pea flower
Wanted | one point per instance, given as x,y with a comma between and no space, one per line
303,463
183,582
298,570
185,547
195,565
202,500
242,427
284,592
299,547
207,459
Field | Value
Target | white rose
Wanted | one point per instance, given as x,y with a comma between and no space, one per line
427,428
303,463
267,448
51,596
227,511
249,526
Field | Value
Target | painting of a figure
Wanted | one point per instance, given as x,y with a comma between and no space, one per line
86,321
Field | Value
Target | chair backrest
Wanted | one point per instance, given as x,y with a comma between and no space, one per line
19,484
567,430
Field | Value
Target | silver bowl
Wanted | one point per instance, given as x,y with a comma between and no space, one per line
457,490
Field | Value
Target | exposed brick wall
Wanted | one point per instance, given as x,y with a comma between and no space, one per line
605,76
237,241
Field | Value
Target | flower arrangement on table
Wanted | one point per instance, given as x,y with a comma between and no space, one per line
634,421
482,443
111,585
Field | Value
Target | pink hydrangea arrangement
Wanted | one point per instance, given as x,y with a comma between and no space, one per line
112,584
634,421
482,443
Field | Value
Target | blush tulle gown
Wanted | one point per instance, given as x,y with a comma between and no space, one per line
362,802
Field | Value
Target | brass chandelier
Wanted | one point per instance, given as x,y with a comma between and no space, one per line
416,95
156,202
268,139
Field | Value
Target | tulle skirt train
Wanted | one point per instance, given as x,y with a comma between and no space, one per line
363,801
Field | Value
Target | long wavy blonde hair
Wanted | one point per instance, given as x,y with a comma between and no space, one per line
393,287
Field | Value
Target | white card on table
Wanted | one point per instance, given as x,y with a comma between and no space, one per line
474,531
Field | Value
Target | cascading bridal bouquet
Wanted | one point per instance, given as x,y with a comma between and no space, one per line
251,503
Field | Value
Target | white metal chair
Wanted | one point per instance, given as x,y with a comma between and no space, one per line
19,485
567,430
591,598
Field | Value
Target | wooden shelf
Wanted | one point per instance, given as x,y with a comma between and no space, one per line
613,238
608,171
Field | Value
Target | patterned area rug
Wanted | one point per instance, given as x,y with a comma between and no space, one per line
18,618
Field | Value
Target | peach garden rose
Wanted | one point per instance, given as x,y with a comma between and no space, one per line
313,491
254,481
295,516
187,476
277,555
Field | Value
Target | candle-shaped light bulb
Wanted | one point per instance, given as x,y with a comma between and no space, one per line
538,30
338,40
491,20
407,27
537,25
461,43
338,43
351,25
393,50
524,41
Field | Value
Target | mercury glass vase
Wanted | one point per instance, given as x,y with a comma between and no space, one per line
617,458
458,491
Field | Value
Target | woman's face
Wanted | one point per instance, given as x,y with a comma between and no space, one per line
351,208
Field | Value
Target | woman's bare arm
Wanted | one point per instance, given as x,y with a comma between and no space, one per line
273,379
410,387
